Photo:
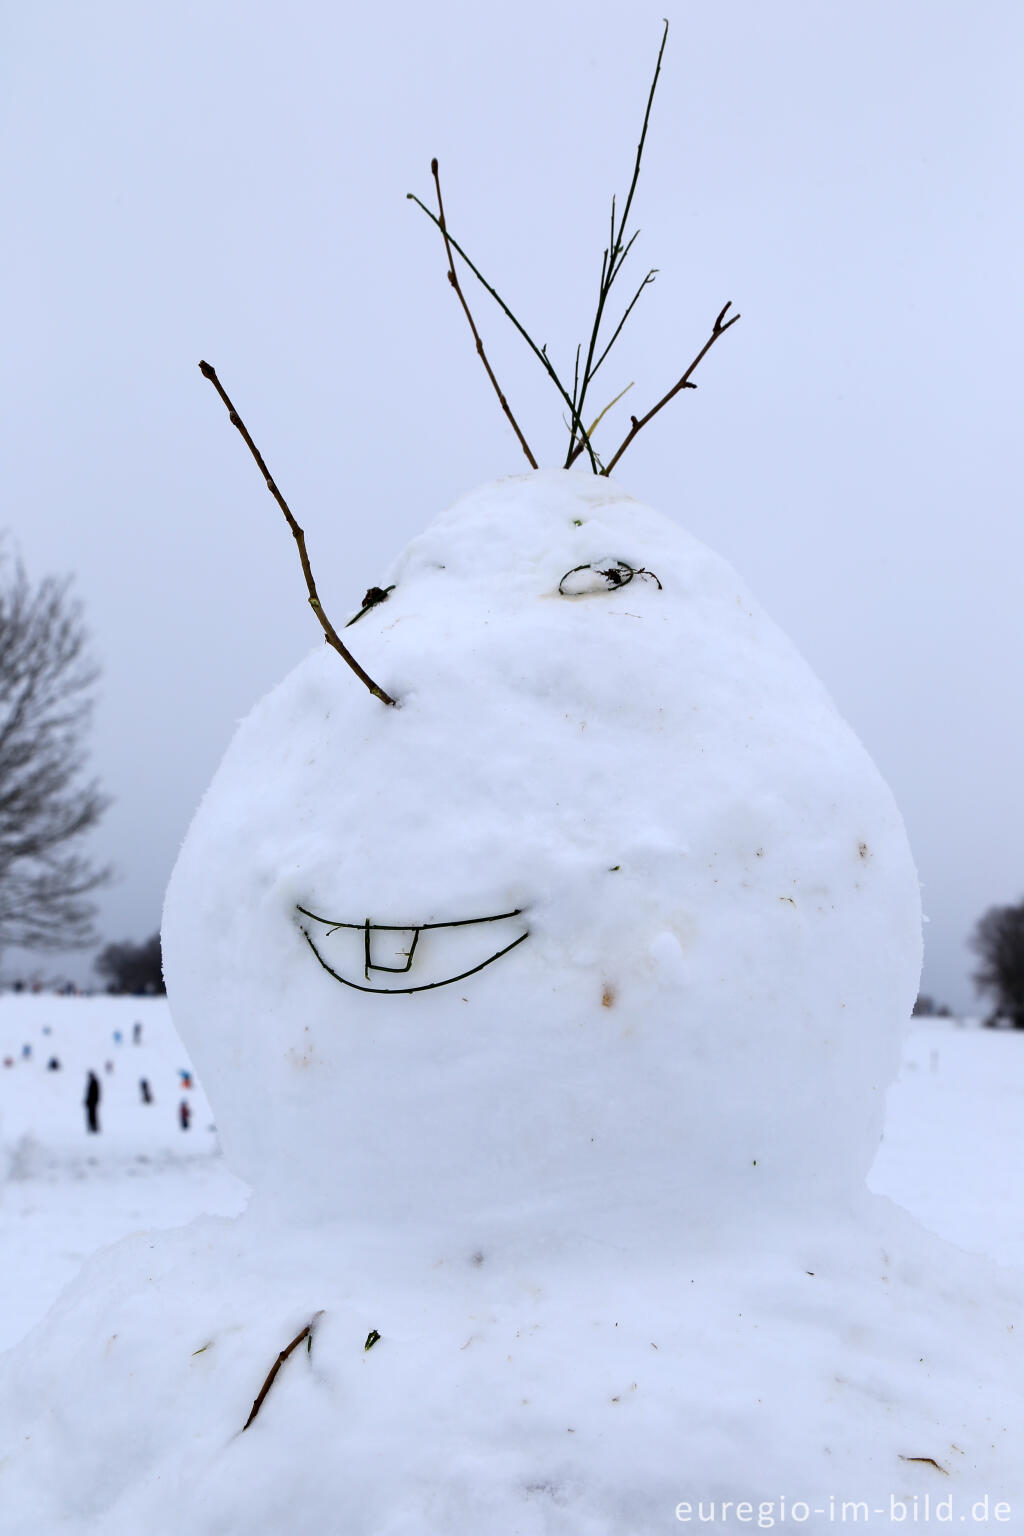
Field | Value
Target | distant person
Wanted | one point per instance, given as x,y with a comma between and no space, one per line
53,1065
184,1114
26,1052
145,1092
108,1066
47,1030
8,1061
117,1037
136,1033
93,1093
186,1077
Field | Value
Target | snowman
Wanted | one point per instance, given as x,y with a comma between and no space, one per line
546,990
526,952
549,1015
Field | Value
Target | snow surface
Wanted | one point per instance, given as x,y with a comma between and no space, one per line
68,1193
954,1148
80,1033
597,1208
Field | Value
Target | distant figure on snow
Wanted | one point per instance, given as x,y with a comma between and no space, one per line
144,1091
136,1033
26,1052
53,1065
186,1077
117,1037
93,1092
184,1114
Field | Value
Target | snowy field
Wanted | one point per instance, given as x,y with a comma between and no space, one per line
953,1152
65,1193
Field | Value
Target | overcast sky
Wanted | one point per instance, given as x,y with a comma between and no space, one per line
227,180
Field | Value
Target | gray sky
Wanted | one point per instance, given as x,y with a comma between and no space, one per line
227,180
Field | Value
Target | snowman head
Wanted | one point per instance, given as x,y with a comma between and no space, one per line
612,919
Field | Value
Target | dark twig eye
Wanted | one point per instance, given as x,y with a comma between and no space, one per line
374,595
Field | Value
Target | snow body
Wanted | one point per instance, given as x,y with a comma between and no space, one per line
596,1207
583,1389
720,906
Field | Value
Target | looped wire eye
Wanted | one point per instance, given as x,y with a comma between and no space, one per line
601,576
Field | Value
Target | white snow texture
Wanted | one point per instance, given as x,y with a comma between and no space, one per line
602,1199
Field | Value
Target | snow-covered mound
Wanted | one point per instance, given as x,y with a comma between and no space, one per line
585,1390
550,1016
711,931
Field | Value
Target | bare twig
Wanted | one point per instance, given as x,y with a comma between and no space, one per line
307,1333
331,635
453,279
718,329
652,274
613,258
539,352
590,360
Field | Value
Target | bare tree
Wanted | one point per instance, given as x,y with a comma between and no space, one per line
136,968
998,939
46,803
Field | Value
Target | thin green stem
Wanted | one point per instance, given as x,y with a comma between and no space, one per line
574,452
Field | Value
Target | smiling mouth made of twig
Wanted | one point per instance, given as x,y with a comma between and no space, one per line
374,940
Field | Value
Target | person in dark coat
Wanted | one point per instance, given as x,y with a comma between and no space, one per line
92,1102
184,1114
145,1092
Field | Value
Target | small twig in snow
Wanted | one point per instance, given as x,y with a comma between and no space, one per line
307,1333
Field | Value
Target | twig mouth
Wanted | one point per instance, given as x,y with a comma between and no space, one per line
366,941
